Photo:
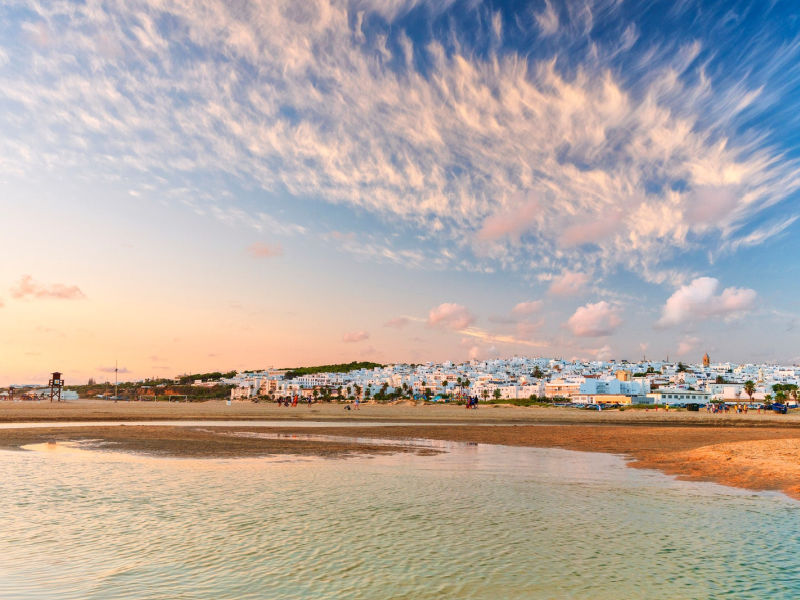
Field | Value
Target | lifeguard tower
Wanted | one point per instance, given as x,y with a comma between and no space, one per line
56,384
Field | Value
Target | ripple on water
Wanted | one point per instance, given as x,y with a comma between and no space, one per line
476,522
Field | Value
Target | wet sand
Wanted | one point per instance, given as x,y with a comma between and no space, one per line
193,442
753,451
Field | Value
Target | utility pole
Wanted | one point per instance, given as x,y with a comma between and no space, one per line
116,382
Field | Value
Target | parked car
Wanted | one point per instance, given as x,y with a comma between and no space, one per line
779,408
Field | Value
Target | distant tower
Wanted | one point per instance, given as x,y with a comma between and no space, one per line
56,383
706,360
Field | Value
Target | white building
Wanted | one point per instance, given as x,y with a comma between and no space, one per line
678,396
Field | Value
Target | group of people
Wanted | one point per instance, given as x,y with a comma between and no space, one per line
292,401
472,402
718,407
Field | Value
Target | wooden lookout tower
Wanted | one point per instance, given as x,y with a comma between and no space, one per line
56,384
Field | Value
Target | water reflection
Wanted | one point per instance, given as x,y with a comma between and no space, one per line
477,521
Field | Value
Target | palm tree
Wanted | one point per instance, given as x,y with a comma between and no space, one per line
485,394
497,393
444,385
749,389
780,396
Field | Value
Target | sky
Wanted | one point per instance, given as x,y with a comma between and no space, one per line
196,185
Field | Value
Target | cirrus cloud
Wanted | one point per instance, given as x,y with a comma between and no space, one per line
451,137
699,300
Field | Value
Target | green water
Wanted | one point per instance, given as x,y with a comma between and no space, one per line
475,522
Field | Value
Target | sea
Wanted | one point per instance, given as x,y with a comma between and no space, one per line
473,521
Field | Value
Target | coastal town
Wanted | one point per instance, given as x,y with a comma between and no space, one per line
517,380
545,379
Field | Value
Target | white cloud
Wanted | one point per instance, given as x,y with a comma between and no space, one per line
594,320
450,316
699,300
355,336
539,165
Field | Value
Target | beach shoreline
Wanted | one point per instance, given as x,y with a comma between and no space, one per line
219,410
756,452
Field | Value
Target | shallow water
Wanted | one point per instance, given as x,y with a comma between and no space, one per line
478,521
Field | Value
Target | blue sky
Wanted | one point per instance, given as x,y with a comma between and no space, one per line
230,185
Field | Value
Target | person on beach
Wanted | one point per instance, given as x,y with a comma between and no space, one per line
355,404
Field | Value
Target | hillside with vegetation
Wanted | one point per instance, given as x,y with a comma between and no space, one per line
291,373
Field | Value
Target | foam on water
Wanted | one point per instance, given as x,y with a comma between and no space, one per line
478,521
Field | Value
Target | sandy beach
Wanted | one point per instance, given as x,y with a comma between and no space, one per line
753,451
98,410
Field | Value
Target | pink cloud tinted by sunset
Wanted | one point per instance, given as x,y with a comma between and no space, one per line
594,320
397,323
450,316
512,223
526,308
355,336
569,283
699,300
262,250
28,288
